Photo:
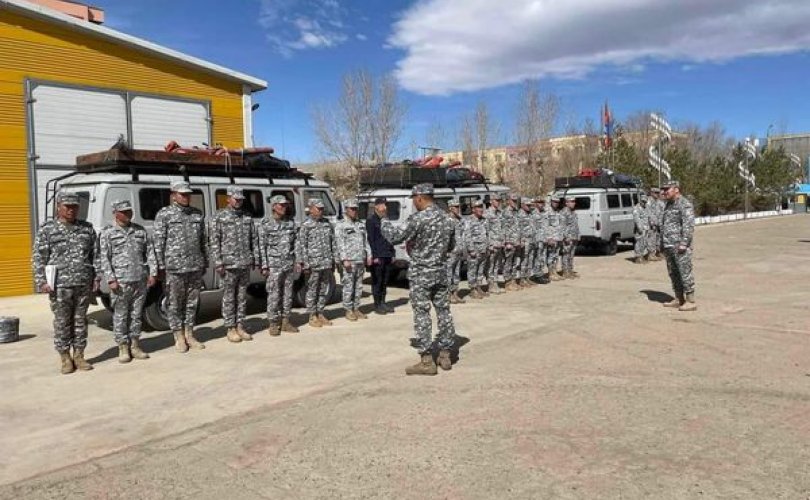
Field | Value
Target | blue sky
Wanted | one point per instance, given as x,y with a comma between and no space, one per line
743,63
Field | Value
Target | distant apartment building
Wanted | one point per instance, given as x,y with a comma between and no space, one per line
794,144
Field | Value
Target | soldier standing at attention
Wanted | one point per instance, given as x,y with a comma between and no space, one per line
315,253
456,256
69,245
432,237
353,253
655,206
571,238
475,242
234,245
527,241
641,220
511,241
277,235
182,254
540,219
494,216
555,237
127,261
382,254
677,229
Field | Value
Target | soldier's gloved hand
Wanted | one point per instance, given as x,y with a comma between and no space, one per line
151,281
114,286
221,270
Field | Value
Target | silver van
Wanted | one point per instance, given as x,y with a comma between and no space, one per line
605,215
149,193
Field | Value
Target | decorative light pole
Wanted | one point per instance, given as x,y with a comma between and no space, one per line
743,168
657,161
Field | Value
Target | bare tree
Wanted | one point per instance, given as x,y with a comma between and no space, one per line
435,135
388,115
466,140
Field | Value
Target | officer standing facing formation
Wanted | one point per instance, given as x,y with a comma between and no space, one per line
126,259
431,237
456,257
475,242
182,254
494,216
353,253
677,229
234,245
511,242
67,247
315,253
382,254
555,237
277,237
571,238
641,224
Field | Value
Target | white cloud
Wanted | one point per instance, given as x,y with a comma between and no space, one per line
486,44
300,25
361,37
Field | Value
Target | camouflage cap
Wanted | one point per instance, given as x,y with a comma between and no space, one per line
452,203
278,199
556,197
315,202
526,201
478,203
121,205
351,203
420,189
181,187
671,184
570,198
235,192
65,198
514,197
655,190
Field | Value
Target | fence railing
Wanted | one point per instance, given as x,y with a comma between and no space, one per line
719,219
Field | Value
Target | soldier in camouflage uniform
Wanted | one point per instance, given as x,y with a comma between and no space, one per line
511,243
315,252
528,238
234,245
277,235
641,224
68,245
182,254
455,258
655,206
475,243
540,221
353,253
571,238
431,237
554,237
494,216
126,260
677,229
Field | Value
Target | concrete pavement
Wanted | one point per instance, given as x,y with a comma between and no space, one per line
579,389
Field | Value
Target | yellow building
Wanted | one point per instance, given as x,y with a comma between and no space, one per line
69,86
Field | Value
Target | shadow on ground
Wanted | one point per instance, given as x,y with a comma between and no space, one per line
656,296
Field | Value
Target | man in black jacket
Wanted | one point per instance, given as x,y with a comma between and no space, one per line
382,253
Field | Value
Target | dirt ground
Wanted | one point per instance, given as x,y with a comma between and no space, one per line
578,389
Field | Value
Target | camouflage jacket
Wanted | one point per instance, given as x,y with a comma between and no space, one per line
475,240
641,218
510,226
556,225
69,247
351,241
315,246
125,254
678,223
179,238
540,223
276,243
458,226
494,227
526,225
571,229
430,238
655,209
233,238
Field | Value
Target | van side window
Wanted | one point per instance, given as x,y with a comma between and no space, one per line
635,199
151,200
253,204
466,204
442,203
626,200
290,198
613,201
84,204
583,203
328,207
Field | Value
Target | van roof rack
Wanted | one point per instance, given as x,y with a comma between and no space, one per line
406,175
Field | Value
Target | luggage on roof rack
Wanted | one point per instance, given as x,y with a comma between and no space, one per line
598,179
407,175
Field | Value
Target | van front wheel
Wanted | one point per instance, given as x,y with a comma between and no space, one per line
611,247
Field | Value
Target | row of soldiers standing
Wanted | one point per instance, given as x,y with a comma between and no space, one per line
648,215
524,241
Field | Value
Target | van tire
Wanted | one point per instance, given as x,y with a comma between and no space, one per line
154,313
106,301
612,246
300,291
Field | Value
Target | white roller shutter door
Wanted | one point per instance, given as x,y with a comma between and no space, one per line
156,121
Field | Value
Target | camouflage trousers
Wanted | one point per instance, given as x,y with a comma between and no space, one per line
511,263
69,306
553,255
184,297
642,244
352,282
527,265
234,296
540,260
317,288
679,266
430,287
476,269
127,304
279,288
568,251
494,263
454,270
654,240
